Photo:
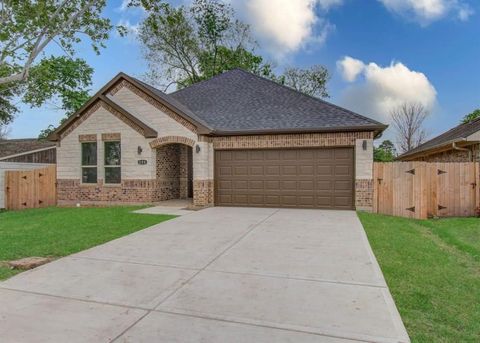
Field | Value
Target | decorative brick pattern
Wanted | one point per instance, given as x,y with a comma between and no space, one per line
80,120
364,193
87,138
157,142
203,193
290,140
111,136
168,171
183,170
154,102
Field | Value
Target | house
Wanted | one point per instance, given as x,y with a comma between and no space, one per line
27,150
460,144
234,140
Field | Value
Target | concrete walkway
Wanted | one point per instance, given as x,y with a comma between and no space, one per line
176,207
216,275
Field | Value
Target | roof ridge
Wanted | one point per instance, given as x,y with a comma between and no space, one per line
309,96
205,80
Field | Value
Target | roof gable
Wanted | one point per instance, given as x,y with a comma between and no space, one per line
458,133
130,119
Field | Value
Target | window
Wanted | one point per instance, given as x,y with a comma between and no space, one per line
113,156
89,162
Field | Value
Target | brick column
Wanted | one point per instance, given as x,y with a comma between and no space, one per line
364,174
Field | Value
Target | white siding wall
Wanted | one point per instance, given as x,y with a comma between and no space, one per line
363,159
102,121
4,166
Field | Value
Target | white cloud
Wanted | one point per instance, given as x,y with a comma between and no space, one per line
383,88
427,11
327,4
350,68
285,26
124,5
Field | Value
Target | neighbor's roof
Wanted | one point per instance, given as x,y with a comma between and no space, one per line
456,134
238,101
10,147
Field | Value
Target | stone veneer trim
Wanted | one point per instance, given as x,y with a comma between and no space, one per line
111,136
87,138
157,142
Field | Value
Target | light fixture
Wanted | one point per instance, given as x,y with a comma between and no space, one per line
364,145
197,148
139,150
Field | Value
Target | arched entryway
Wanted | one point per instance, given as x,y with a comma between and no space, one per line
174,171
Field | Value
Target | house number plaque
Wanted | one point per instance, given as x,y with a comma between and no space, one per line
142,162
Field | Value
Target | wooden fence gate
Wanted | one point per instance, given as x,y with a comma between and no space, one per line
30,188
422,189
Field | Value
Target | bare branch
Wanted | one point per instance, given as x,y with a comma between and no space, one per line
408,120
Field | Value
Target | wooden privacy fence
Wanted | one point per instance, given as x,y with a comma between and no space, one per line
423,189
30,188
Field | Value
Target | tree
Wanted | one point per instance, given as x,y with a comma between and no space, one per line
312,81
385,152
471,116
72,103
28,27
4,132
408,120
185,45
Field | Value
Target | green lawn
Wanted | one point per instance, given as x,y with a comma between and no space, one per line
62,231
433,270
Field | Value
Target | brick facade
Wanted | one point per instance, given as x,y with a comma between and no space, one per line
449,156
154,102
203,192
364,194
290,140
171,182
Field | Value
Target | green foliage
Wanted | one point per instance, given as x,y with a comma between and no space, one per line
63,231
471,116
27,28
312,81
385,152
431,267
186,45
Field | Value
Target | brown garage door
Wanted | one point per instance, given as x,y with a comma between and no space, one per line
309,178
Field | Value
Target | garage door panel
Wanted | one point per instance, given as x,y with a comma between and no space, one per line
307,178
240,171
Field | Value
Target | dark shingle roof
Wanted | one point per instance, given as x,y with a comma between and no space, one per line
239,101
10,147
457,133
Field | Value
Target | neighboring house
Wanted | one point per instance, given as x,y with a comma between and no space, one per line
234,140
460,144
27,150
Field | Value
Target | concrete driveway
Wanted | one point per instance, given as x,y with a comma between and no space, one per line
217,275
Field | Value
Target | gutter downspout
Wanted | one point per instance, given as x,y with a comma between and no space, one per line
455,147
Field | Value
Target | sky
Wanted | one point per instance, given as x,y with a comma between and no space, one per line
380,53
